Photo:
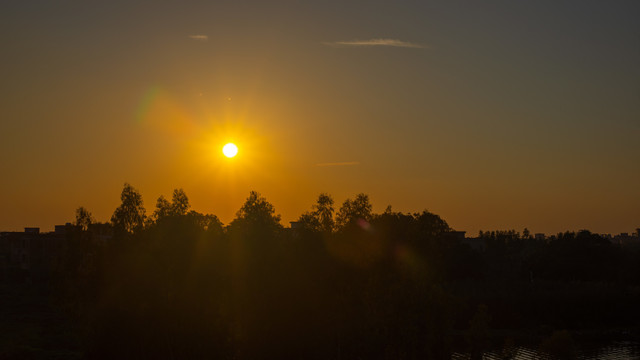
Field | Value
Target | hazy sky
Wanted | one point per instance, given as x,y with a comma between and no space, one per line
492,114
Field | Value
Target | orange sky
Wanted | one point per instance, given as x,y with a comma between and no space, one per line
513,116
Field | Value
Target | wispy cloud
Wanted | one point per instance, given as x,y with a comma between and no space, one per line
199,37
377,42
346,163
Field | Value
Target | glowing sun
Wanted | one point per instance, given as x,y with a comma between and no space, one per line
230,150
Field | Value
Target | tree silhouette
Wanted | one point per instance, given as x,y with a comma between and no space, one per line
431,225
324,211
178,206
163,209
384,286
84,218
257,211
130,215
321,216
179,203
354,210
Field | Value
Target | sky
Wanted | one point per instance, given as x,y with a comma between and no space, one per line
493,114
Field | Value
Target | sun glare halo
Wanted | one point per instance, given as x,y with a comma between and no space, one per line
230,150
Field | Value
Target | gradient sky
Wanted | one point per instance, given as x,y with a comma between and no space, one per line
492,114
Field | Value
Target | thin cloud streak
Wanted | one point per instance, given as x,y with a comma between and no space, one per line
199,37
378,42
346,163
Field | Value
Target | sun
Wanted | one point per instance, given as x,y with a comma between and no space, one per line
230,150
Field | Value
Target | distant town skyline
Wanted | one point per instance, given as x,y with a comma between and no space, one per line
494,115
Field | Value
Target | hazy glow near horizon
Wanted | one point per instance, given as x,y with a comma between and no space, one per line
230,150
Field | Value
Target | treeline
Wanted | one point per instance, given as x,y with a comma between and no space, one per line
339,284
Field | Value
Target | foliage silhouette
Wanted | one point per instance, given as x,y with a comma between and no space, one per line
353,211
377,286
178,206
320,218
163,209
84,219
131,214
256,212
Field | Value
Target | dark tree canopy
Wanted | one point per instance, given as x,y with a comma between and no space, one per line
257,211
354,210
179,203
376,286
323,209
320,218
209,222
431,225
84,218
178,206
131,214
163,209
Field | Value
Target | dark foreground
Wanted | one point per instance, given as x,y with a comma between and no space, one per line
386,286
